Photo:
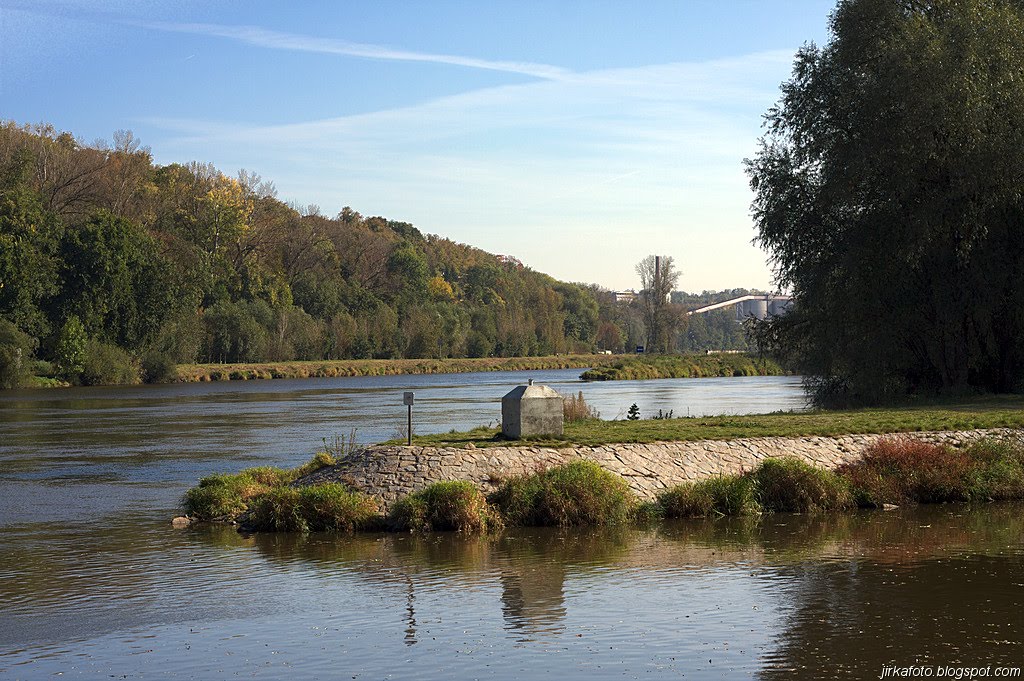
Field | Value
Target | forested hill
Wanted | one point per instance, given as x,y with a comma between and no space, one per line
109,263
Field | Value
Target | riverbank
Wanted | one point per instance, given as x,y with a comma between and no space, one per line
196,373
647,367
600,367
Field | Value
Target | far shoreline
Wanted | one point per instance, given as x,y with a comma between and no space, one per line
614,367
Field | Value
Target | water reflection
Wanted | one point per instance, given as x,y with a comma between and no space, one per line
819,596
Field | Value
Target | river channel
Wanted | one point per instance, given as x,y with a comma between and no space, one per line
95,584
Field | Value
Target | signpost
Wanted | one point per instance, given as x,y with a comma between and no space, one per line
407,400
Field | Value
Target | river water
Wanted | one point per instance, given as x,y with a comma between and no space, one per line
95,584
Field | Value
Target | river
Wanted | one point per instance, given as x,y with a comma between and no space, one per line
95,584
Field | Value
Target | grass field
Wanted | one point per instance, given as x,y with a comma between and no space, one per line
999,411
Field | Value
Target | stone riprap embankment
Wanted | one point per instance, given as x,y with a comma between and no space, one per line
392,472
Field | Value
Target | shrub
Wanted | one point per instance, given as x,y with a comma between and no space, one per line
16,350
69,355
455,505
41,367
330,506
577,493
721,495
791,485
575,409
107,365
157,367
901,470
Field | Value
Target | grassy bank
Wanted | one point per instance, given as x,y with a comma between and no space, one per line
193,373
1001,411
645,367
891,472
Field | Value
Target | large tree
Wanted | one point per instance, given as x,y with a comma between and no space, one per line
658,276
888,193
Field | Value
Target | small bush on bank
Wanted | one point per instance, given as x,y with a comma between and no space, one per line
721,495
16,348
577,493
315,508
791,485
158,367
455,505
901,470
106,364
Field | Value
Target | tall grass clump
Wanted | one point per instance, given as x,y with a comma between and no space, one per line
330,506
901,470
575,409
791,485
320,460
227,497
453,505
999,474
718,496
576,493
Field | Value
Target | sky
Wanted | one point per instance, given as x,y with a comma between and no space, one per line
579,137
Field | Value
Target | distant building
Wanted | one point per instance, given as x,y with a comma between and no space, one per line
624,297
752,307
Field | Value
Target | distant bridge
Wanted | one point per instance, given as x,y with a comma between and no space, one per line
756,307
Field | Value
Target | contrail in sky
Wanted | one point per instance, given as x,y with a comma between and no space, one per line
276,40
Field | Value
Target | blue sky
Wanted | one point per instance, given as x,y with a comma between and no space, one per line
577,136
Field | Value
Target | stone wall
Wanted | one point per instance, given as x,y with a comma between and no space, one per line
391,472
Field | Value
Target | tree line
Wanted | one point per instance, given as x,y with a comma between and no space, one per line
113,267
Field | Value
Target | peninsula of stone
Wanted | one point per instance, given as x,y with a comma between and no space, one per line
390,472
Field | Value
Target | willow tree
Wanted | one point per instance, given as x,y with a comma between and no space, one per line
888,192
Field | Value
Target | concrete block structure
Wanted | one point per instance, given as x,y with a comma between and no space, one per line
529,410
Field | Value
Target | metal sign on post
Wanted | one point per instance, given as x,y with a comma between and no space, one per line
407,400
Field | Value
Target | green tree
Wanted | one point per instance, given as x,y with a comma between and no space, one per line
888,191
581,314
28,249
115,280
69,354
